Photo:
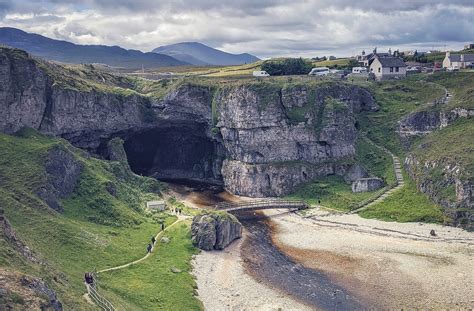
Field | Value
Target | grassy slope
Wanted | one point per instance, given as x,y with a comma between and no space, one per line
79,239
405,205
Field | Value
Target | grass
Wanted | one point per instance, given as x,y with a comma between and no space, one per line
376,161
396,99
151,285
454,143
405,205
96,230
339,62
332,192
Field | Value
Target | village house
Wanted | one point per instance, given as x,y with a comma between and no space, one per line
367,59
458,60
389,67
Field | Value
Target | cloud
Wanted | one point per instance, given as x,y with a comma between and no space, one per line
266,28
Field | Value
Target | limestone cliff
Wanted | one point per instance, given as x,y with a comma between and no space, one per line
215,230
256,138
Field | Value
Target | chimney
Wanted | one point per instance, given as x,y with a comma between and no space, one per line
462,58
448,53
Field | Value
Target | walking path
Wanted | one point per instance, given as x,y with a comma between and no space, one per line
180,218
372,200
398,176
102,302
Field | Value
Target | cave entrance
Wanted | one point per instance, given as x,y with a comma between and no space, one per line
178,153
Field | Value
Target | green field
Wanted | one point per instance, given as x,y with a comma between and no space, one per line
96,229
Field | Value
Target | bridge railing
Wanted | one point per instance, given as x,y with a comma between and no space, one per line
261,203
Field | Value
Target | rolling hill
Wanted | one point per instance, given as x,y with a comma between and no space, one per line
67,52
199,54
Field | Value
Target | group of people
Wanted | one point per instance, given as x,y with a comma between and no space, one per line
153,240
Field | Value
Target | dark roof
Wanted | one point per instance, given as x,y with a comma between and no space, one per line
392,62
457,57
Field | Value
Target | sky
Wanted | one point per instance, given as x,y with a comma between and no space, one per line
265,28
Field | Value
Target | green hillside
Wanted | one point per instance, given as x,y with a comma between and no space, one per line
98,228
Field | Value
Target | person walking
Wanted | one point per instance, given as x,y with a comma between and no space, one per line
149,248
162,226
153,240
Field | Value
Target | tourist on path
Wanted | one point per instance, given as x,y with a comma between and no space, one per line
149,247
153,240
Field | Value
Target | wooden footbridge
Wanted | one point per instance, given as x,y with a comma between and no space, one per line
260,204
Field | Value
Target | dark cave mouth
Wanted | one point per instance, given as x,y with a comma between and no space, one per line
181,154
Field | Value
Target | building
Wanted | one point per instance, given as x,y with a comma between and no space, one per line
385,68
156,205
469,46
366,59
458,60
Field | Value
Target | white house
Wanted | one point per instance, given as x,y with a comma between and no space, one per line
385,68
458,60
359,70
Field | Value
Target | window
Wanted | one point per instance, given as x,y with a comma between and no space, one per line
396,69
379,69
391,69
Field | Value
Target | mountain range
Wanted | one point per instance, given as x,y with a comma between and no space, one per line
199,54
186,53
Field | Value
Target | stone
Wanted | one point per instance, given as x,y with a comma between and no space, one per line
63,171
165,240
215,230
367,184
355,172
42,288
175,270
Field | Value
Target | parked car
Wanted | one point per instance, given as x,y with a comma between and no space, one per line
319,71
358,70
452,68
260,73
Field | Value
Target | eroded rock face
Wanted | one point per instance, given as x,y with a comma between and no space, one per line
367,184
424,122
215,231
447,184
262,128
63,171
355,172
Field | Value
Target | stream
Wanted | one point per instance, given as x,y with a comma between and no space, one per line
269,265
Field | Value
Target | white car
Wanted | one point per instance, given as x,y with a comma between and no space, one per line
261,73
319,71
452,68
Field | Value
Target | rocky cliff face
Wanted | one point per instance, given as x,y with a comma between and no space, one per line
215,231
278,138
271,137
424,122
448,184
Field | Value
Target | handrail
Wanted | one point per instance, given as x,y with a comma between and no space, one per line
102,302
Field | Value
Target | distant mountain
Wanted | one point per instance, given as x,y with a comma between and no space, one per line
199,54
68,52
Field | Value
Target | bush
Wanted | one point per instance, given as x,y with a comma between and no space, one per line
290,66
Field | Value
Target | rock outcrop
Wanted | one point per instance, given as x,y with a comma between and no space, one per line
448,184
259,127
215,230
63,171
10,236
421,123
367,184
355,172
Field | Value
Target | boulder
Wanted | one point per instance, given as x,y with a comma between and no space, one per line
63,171
215,230
355,172
367,184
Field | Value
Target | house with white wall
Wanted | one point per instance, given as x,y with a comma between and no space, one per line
458,60
385,68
